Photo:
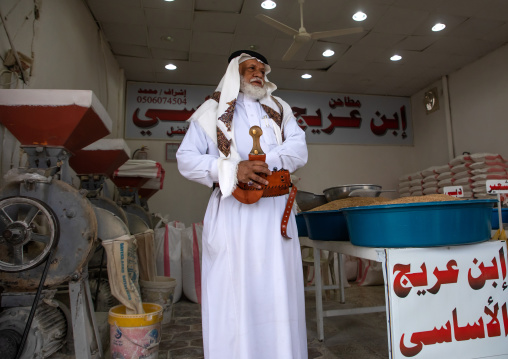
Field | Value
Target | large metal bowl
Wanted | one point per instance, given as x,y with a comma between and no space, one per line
340,192
307,200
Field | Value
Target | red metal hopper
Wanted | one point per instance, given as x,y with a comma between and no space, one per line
131,182
102,157
136,173
152,186
71,119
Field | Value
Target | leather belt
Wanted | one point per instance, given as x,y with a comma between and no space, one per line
287,213
275,193
278,184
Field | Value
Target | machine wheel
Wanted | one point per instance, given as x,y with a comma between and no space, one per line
28,231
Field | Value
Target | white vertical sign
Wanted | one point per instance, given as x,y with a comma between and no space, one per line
448,302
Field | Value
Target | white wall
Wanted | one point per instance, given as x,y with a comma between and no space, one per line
478,108
335,165
431,134
479,104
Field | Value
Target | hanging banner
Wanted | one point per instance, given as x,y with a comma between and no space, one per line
159,111
448,302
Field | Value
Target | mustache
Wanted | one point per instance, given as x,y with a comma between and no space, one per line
257,79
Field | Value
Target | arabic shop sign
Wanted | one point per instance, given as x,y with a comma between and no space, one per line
448,302
159,111
497,186
454,191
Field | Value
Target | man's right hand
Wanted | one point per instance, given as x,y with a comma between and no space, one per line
248,173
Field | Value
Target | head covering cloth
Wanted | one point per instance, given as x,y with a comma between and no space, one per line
215,116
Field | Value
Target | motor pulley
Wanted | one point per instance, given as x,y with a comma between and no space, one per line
28,231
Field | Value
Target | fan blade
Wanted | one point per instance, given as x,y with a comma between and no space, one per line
278,25
293,49
333,33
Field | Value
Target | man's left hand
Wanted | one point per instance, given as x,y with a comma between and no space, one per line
248,172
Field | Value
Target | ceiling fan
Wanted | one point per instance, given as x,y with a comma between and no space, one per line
302,36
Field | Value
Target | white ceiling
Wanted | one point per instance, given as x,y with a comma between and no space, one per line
205,32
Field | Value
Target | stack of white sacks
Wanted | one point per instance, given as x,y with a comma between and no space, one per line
469,171
178,255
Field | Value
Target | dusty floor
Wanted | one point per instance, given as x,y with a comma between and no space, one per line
346,337
355,336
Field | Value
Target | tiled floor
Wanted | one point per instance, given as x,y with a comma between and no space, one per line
354,336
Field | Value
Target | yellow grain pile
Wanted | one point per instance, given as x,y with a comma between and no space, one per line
422,199
350,202
372,201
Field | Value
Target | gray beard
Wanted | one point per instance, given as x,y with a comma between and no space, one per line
257,93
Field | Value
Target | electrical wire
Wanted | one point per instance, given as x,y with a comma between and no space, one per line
14,52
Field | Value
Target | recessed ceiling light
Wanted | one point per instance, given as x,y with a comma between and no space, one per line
396,58
170,67
306,76
359,16
268,4
169,0
328,53
438,27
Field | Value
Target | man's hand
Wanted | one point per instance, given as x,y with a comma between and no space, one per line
248,173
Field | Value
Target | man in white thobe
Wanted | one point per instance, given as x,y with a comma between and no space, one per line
252,283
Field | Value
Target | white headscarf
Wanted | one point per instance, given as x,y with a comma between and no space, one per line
208,114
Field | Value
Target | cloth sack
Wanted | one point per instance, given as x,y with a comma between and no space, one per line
350,269
191,261
123,272
487,157
146,255
431,190
465,158
444,175
369,273
431,178
168,249
488,164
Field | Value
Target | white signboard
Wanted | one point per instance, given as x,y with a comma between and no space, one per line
159,111
497,186
454,191
448,302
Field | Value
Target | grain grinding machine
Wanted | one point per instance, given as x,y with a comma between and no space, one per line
49,229
94,165
132,179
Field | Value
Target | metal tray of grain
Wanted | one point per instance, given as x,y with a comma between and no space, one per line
326,225
427,224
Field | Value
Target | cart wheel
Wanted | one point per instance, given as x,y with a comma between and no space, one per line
28,231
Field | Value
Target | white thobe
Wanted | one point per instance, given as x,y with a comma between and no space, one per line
252,282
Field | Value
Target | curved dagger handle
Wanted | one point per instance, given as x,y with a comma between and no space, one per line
256,132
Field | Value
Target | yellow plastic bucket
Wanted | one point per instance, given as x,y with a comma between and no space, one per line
135,335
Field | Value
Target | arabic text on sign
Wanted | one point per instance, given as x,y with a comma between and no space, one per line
157,115
389,123
445,334
497,186
405,280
